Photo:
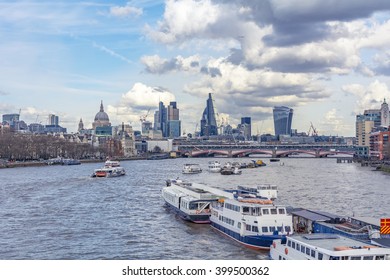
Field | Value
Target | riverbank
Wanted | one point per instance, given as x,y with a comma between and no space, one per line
14,164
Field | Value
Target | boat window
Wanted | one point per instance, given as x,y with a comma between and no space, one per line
287,228
379,257
239,225
334,258
264,229
313,253
248,227
265,212
273,211
308,251
298,247
280,257
293,244
355,258
368,257
320,256
289,243
280,229
271,229
282,211
255,229
303,248
245,210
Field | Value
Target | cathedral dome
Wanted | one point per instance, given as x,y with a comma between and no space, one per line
101,115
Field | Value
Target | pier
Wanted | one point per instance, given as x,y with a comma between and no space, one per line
344,160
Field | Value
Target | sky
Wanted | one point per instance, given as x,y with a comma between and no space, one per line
328,60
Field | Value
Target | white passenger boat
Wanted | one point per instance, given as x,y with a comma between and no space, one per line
264,190
191,168
188,200
215,166
325,246
110,169
250,220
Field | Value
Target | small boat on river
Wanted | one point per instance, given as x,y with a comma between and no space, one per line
191,168
110,169
215,166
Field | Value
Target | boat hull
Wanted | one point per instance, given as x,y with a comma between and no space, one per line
258,242
196,218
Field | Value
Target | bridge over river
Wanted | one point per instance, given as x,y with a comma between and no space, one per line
275,151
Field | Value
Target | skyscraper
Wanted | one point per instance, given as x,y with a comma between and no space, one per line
173,124
208,124
167,120
53,119
282,120
247,127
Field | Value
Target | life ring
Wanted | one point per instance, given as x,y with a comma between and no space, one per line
286,251
274,244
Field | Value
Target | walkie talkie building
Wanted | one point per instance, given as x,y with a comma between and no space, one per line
282,120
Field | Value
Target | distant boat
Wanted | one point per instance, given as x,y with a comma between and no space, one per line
62,161
158,157
274,159
215,166
191,168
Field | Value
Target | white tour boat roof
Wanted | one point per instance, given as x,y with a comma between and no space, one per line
336,244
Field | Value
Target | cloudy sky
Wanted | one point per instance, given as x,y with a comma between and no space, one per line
326,59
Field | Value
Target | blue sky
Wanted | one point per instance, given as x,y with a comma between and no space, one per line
328,60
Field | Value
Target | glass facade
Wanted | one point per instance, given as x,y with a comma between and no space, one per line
282,120
208,124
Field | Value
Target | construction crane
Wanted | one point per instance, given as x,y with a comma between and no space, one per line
312,130
143,117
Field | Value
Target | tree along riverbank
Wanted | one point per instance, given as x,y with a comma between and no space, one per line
14,164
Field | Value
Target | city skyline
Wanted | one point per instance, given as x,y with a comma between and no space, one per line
327,61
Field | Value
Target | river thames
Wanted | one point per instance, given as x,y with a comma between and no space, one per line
60,212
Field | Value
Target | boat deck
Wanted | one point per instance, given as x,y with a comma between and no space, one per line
328,241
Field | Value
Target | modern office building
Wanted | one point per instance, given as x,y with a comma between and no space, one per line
166,120
364,126
53,120
282,120
10,119
208,123
246,125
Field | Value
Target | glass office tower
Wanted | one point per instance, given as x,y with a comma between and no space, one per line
282,120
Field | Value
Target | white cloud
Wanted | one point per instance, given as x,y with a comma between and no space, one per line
334,123
157,65
136,102
125,11
368,97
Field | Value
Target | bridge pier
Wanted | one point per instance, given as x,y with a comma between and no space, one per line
274,153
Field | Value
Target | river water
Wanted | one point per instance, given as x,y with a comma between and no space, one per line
60,212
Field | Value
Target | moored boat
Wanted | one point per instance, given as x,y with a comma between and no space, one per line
188,200
215,166
364,229
251,220
191,168
325,246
